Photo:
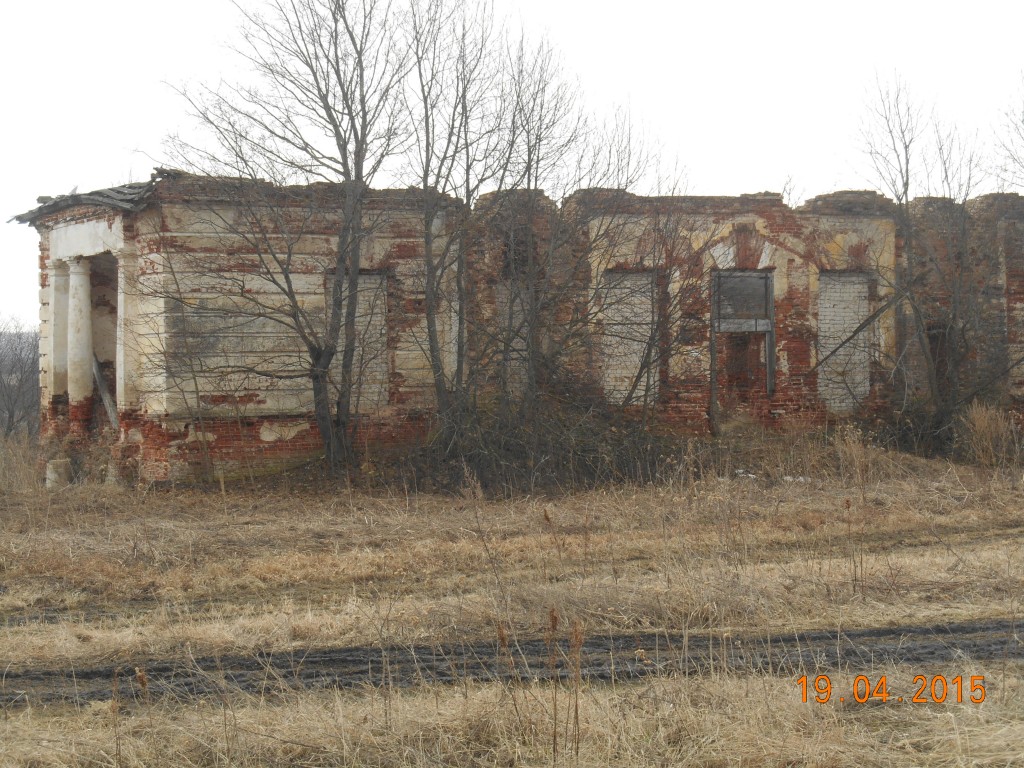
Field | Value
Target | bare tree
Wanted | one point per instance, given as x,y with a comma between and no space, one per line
461,144
19,378
1012,146
498,126
429,91
932,172
327,105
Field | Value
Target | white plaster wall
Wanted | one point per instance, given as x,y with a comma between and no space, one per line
843,304
86,238
627,316
371,364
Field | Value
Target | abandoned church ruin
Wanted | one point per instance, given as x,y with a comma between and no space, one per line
174,312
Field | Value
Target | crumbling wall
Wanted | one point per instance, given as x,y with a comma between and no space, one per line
90,235
957,319
519,293
609,295
1012,239
204,369
235,376
996,270
679,244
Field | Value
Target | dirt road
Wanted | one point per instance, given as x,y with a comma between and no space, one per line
623,657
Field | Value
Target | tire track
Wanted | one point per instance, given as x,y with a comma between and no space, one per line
619,657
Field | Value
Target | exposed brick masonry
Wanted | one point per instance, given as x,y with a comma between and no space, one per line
621,285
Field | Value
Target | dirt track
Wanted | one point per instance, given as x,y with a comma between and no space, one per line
620,657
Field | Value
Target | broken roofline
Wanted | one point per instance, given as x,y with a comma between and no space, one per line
618,201
199,188
137,195
196,188
127,197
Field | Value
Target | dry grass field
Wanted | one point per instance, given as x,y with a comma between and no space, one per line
103,590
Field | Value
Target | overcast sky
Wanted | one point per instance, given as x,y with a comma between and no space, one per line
747,94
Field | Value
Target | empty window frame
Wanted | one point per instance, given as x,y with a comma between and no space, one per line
743,301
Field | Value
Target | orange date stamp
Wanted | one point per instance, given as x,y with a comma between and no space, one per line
934,689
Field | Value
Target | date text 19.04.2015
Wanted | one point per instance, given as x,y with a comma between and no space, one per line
936,689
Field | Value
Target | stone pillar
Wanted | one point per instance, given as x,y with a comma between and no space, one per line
127,343
57,381
80,380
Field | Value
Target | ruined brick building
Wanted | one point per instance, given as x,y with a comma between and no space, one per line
160,317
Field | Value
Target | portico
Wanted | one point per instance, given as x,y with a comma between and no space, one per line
81,296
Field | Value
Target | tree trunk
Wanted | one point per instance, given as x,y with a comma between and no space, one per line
322,414
430,295
348,266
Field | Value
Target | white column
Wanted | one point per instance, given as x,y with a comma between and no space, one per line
58,352
127,343
79,332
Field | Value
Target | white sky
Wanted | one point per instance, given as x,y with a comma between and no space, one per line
746,94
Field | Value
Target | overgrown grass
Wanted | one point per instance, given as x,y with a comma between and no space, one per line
716,720
753,534
988,436
19,467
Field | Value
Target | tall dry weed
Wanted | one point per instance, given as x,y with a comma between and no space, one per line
987,436
861,462
717,719
854,454
18,465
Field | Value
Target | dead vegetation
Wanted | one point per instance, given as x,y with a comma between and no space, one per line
773,535
716,720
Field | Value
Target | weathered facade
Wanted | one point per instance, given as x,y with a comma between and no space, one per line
750,295
183,301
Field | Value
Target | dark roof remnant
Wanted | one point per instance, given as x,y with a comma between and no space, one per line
127,197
